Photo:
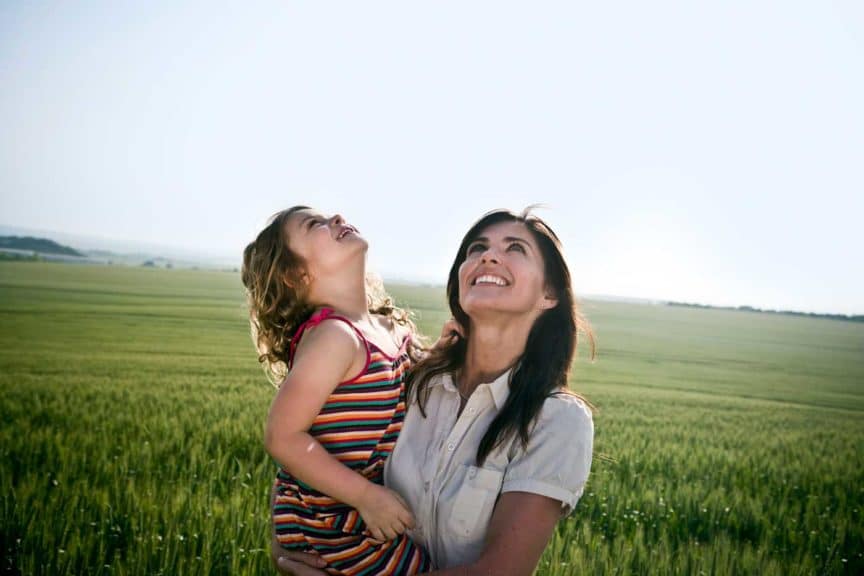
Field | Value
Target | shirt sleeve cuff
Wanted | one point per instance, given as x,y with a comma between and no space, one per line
567,498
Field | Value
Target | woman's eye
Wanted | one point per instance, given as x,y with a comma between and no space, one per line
475,248
516,246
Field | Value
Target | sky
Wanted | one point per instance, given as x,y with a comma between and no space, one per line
699,152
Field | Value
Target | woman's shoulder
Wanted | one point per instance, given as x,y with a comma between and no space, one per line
566,411
562,436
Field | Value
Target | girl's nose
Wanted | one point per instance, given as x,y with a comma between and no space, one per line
337,220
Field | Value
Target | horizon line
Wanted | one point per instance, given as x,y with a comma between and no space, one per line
223,265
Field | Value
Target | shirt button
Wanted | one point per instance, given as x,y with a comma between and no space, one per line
472,472
472,411
450,447
426,486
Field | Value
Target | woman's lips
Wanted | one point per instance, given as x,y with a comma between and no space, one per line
490,280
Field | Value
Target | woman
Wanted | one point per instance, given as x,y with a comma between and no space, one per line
495,449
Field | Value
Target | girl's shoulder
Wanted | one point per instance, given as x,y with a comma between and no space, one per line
330,327
328,330
399,330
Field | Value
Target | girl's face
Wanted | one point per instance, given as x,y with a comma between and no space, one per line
325,243
503,271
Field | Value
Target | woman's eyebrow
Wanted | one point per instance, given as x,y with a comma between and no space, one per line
507,240
517,239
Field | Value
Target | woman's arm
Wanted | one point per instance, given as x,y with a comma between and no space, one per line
519,530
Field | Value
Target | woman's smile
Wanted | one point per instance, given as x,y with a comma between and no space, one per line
490,279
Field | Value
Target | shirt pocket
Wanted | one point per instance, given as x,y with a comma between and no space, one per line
474,502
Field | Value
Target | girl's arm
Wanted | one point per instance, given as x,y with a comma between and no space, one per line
327,355
519,530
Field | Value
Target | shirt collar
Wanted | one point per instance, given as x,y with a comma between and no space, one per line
498,388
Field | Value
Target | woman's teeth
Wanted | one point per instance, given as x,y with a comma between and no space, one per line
498,281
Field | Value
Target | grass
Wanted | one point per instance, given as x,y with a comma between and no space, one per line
132,410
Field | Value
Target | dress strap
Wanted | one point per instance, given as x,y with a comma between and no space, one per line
317,318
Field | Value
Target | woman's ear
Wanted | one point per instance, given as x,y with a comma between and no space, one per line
549,301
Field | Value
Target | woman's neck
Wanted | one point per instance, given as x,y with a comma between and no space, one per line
493,348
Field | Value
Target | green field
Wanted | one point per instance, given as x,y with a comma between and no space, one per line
132,412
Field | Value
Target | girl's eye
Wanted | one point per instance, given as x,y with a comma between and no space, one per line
315,222
516,246
476,247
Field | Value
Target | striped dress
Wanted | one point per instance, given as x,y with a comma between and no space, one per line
358,425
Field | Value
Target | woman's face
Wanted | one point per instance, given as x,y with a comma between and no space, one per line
503,272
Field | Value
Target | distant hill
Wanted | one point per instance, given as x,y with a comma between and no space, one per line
102,250
850,317
36,249
41,245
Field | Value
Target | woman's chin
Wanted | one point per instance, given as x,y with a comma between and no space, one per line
489,307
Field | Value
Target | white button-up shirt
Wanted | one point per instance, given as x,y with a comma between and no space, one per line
433,466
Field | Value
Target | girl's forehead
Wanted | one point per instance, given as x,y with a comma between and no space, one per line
300,216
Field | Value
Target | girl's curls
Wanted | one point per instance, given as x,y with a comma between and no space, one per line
275,280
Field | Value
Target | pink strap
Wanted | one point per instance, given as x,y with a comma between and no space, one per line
317,318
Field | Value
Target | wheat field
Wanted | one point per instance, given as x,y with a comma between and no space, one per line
132,406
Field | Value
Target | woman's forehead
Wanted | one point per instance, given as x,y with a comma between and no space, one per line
506,230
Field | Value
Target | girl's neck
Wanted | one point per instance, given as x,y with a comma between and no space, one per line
493,348
346,295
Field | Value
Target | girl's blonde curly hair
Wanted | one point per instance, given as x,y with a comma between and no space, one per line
276,297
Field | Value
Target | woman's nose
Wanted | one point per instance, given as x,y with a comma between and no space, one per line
490,255
337,220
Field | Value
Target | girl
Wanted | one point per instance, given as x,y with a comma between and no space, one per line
341,350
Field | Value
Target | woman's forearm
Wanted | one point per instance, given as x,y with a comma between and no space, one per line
466,570
521,526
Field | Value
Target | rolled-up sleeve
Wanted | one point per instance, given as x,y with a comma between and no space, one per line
557,460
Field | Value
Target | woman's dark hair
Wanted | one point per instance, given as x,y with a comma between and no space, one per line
543,368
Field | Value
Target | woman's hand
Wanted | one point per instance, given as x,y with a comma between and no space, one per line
295,563
385,512
298,564
451,331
